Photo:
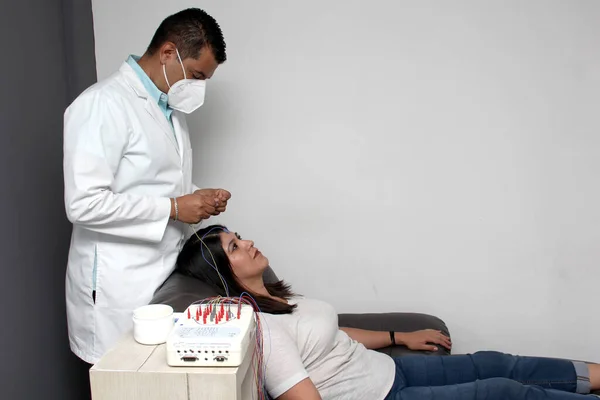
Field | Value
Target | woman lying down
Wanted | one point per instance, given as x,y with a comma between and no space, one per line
310,357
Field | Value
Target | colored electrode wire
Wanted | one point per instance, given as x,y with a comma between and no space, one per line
214,265
217,307
258,364
263,362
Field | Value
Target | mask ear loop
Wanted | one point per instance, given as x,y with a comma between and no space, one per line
181,62
165,69
165,73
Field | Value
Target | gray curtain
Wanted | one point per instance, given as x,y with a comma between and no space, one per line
47,60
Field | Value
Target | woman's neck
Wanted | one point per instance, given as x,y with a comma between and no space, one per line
258,287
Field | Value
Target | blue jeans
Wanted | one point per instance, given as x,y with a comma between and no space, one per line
488,376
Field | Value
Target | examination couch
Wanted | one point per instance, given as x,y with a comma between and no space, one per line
179,291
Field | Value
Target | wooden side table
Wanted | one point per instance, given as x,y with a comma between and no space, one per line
131,371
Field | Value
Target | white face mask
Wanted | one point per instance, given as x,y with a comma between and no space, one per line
186,95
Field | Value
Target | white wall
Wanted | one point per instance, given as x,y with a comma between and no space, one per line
429,156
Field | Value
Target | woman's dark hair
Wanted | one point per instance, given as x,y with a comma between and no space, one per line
191,31
192,262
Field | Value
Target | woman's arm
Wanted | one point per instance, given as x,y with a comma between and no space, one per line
419,340
303,390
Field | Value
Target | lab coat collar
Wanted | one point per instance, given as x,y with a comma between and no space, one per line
133,81
151,106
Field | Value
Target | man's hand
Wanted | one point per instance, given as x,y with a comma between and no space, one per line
217,197
422,340
193,208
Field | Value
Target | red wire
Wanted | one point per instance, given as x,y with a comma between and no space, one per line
257,355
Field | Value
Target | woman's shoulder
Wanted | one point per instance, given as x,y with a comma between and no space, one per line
304,306
310,302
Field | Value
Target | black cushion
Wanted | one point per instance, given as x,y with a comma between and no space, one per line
398,322
179,291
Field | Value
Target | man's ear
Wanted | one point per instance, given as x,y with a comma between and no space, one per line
167,52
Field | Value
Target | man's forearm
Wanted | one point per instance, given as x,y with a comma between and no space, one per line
119,214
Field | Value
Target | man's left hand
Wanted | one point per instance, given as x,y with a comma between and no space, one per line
220,196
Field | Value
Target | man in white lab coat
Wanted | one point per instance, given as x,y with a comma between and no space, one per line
128,179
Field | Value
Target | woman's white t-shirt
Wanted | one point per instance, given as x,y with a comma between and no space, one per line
309,343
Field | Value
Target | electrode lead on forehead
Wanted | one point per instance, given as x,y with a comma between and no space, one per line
214,264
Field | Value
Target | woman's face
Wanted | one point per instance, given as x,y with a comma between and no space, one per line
246,261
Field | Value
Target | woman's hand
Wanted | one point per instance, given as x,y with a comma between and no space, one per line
423,340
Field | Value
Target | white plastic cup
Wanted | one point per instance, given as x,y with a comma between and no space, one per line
152,323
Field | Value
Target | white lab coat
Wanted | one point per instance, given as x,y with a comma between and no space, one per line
122,163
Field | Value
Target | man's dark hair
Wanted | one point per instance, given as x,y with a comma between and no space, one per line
191,30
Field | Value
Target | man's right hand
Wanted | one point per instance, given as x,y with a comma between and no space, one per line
194,208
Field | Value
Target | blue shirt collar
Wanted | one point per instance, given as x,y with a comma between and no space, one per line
160,97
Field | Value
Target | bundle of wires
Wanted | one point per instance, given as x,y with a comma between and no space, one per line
223,305
214,263
258,363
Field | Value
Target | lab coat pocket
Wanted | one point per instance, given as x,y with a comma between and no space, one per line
95,274
187,170
189,155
